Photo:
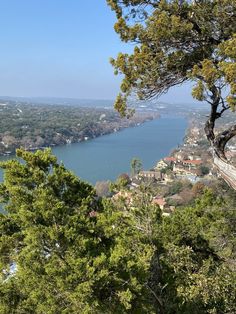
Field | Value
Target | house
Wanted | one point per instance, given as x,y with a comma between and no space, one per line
191,157
192,164
161,165
135,183
169,177
157,175
180,155
192,178
170,160
179,169
124,196
161,202
165,208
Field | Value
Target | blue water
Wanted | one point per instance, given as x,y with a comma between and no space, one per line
106,157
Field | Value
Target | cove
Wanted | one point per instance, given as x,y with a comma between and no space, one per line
105,157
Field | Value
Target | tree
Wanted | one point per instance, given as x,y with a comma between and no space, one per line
204,170
198,189
195,237
192,268
178,41
136,166
64,251
61,249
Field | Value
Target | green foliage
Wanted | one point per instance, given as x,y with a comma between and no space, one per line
123,180
36,126
167,170
204,274
204,170
73,253
136,166
32,126
176,187
120,184
176,41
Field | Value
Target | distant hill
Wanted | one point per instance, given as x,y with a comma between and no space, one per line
94,103
108,103
33,125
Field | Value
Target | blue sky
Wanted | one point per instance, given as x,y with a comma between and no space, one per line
61,48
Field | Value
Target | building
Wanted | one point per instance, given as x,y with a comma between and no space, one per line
170,160
161,202
192,164
161,165
157,175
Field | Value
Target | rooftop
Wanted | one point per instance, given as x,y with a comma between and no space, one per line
170,159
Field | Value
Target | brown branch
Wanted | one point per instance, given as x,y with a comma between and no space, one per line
222,139
224,108
210,123
157,299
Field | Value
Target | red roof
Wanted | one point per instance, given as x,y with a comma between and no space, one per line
159,201
170,159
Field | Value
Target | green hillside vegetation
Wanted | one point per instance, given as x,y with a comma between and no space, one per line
63,250
35,126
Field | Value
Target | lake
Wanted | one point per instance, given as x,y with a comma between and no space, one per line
105,157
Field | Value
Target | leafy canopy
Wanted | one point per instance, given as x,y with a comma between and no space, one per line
176,41
62,250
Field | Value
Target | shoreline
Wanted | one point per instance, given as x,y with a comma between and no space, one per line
155,116
106,157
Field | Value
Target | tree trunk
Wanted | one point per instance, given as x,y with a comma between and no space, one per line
219,141
154,283
222,139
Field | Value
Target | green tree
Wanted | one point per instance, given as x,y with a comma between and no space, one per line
204,170
192,269
136,166
199,248
178,41
64,251
121,184
70,252
176,187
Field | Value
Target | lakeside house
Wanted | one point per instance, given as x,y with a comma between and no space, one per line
192,164
164,206
178,167
170,159
161,165
157,175
161,202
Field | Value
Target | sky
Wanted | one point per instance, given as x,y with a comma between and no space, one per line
61,48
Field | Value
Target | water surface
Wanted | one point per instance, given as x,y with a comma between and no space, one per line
105,157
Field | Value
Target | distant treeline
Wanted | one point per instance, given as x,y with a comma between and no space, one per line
35,126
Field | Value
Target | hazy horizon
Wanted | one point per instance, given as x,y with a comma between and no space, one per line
46,99
55,49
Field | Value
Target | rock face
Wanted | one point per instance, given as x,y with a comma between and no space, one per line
226,170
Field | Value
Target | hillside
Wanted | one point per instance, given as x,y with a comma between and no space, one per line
36,126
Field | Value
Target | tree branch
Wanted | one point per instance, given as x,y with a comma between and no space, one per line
222,139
